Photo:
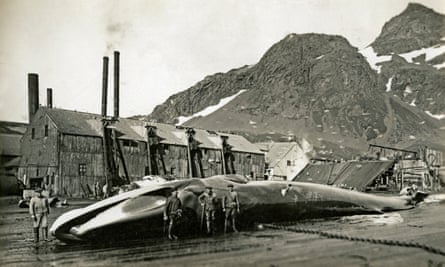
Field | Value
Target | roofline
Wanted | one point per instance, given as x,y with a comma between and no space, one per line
218,133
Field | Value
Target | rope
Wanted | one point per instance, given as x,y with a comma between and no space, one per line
287,227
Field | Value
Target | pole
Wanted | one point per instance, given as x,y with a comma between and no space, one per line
147,130
223,160
105,154
104,87
188,133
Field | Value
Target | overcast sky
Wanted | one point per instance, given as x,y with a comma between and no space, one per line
166,46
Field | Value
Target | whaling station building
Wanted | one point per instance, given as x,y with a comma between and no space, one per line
67,149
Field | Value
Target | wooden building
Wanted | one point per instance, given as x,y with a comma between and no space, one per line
10,135
64,148
284,160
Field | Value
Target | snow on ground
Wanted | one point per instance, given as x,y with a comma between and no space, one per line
210,109
413,103
320,57
373,59
388,84
437,116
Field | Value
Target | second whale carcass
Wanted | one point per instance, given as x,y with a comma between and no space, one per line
139,213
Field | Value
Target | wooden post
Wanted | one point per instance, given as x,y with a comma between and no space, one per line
401,173
121,156
105,155
189,134
147,131
223,160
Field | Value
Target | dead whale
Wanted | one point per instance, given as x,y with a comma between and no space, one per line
138,213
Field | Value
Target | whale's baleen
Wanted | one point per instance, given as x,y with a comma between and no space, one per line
138,213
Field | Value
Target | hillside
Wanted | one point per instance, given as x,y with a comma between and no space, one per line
321,88
415,28
409,55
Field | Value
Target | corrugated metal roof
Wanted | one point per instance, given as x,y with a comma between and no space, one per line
10,144
317,173
357,174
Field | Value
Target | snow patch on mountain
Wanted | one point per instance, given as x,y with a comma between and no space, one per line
439,66
436,116
388,84
430,53
373,59
407,91
210,109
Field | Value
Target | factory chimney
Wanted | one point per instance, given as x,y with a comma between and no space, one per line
33,94
49,98
116,84
104,86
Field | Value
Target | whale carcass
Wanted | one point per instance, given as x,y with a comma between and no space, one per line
139,213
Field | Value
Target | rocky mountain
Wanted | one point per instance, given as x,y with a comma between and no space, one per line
410,51
321,88
415,28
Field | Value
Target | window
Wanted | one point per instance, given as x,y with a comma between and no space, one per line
33,133
289,163
46,130
82,169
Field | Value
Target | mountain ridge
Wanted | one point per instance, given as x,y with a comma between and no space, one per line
320,87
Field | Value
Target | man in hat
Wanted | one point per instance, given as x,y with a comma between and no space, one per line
39,210
173,213
230,204
208,201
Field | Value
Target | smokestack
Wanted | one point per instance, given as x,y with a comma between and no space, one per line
116,84
33,94
104,86
49,97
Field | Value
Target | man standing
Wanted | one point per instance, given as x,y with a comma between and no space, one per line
230,208
39,210
172,212
105,192
207,200
97,190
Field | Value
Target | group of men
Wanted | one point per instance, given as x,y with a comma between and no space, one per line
209,203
